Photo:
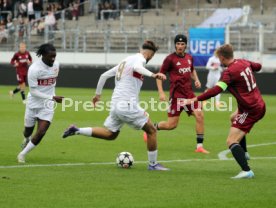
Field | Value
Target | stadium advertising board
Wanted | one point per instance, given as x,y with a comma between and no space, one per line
203,42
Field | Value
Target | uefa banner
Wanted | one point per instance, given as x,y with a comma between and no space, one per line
203,42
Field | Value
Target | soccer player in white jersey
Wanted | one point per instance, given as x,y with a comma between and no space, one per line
215,69
125,108
42,77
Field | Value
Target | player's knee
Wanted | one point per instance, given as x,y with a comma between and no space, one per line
199,117
113,135
172,125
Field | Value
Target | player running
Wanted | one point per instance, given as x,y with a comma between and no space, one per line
238,78
125,102
21,60
42,77
179,66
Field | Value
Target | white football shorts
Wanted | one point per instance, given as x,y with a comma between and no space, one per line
32,114
132,115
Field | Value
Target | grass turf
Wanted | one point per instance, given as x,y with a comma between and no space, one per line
193,183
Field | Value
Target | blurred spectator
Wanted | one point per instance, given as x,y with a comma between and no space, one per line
5,7
22,9
100,8
3,33
75,10
50,22
10,26
40,27
21,27
38,8
30,10
93,6
81,8
106,6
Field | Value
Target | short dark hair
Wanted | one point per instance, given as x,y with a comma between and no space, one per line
44,49
225,50
150,45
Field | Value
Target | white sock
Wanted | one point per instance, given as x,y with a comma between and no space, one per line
199,145
85,131
152,156
28,148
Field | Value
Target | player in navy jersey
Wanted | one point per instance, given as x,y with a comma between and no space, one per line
21,60
179,66
239,80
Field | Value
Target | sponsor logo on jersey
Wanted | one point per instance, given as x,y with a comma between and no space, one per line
184,70
46,82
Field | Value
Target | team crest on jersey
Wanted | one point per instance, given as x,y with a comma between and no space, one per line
178,63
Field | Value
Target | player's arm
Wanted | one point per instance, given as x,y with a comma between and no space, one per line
14,60
142,70
30,59
255,66
220,86
102,81
164,69
195,78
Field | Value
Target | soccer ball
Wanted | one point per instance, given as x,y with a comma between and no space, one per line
125,160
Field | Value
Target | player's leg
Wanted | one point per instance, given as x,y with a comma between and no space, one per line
170,124
97,132
233,140
17,89
27,136
150,130
22,86
110,132
199,117
42,127
243,140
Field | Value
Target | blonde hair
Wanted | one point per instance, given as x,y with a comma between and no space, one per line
226,51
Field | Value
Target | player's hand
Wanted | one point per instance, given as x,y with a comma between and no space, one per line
159,76
96,99
28,62
58,99
16,64
162,96
197,84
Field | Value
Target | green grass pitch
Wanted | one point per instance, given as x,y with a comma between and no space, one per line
91,178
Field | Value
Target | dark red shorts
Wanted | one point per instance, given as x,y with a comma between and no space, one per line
176,108
246,120
21,78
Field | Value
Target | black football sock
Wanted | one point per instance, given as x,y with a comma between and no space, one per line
199,138
243,144
156,126
239,156
16,90
23,95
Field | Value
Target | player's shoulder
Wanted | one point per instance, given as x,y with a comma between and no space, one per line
56,64
188,56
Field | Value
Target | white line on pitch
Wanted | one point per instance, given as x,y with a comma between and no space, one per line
223,154
113,163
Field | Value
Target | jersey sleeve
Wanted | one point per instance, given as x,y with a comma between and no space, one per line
166,65
32,77
30,57
14,58
226,77
192,64
104,77
255,66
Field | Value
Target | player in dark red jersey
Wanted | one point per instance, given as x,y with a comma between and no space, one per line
21,60
179,66
238,78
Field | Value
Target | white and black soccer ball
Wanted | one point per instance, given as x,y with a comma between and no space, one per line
125,160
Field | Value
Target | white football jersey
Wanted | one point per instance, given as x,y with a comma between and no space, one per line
42,78
128,82
214,62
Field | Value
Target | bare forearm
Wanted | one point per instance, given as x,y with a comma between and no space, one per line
159,84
